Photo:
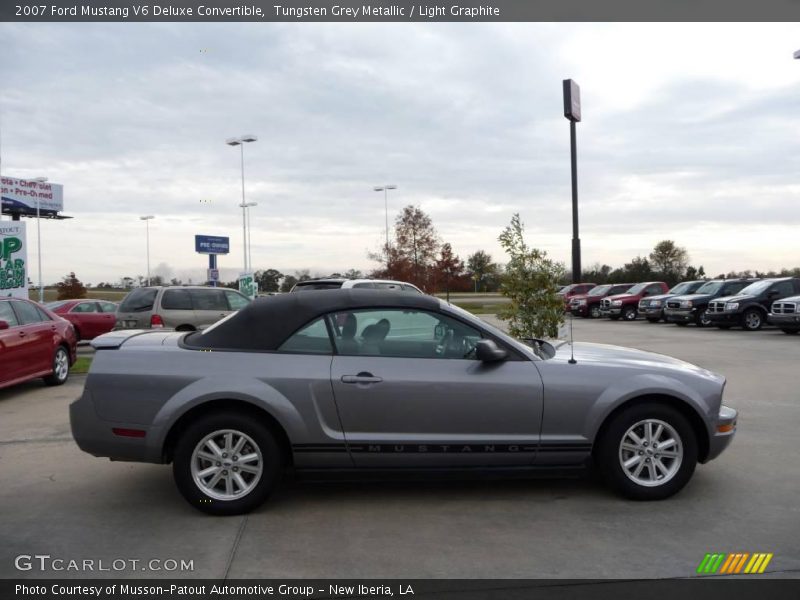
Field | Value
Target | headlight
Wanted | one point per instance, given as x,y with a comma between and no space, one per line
616,303
655,302
731,306
686,304
581,302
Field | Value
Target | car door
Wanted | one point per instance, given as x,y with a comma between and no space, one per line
37,334
13,346
87,319
410,393
108,310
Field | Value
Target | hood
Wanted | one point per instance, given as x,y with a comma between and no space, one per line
660,297
609,355
579,297
625,296
734,298
693,297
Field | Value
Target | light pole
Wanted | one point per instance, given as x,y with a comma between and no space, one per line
246,206
146,220
385,189
572,111
39,239
241,141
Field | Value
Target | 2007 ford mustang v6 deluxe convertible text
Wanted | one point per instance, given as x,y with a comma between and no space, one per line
365,380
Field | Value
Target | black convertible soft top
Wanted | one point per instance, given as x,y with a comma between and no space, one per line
267,322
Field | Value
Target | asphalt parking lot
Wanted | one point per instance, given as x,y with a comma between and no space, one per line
61,502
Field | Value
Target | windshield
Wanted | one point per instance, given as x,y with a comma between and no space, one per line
682,288
709,288
139,300
636,289
55,305
600,290
755,288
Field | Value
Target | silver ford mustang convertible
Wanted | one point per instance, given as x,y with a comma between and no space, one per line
368,381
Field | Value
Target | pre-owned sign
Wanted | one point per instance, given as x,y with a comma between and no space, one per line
13,260
22,195
211,244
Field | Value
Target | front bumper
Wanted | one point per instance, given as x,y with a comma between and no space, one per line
579,311
650,311
730,318
680,315
724,430
790,321
612,311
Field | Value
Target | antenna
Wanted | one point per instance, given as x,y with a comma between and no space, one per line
572,360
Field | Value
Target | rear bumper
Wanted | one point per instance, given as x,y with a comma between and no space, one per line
724,430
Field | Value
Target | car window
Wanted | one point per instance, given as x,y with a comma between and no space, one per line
782,289
209,299
734,287
27,313
176,300
84,307
403,334
108,307
410,288
139,300
654,289
7,314
385,285
365,284
311,339
43,316
236,300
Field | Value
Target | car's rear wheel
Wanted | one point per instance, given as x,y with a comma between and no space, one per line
648,451
227,464
702,320
629,313
60,372
752,320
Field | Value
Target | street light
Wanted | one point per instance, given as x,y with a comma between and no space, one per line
385,189
241,141
246,206
146,220
39,239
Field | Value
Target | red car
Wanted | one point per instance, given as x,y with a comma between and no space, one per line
575,289
34,342
90,318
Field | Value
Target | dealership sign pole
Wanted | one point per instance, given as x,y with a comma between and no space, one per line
212,245
572,111
13,260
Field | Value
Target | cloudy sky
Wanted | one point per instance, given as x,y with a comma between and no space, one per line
690,133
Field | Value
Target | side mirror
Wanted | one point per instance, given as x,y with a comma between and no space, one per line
3,324
488,351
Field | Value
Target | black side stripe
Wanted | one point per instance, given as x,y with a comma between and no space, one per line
448,447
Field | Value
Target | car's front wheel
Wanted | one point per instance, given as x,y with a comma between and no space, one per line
227,464
629,313
752,320
702,320
648,451
60,372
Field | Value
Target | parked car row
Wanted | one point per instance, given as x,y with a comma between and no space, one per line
747,303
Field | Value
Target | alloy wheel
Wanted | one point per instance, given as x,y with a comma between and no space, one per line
227,464
61,364
752,320
650,452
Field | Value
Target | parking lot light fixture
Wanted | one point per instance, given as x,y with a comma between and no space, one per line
241,141
39,240
385,189
146,220
247,206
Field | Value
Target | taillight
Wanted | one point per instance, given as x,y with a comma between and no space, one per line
156,321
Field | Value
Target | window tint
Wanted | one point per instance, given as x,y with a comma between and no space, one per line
27,313
403,333
7,315
410,288
311,339
43,316
783,289
139,300
734,287
385,285
108,307
654,289
176,300
236,300
208,300
84,307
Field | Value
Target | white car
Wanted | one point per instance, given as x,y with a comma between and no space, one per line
334,283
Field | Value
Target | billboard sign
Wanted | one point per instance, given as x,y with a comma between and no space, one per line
20,196
247,285
13,260
211,244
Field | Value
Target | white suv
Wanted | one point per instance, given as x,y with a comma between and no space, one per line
341,283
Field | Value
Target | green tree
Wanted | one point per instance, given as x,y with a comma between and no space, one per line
448,268
268,280
353,274
530,282
637,270
669,260
416,242
70,288
480,268
288,283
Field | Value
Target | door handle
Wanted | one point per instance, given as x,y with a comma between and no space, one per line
361,378
22,334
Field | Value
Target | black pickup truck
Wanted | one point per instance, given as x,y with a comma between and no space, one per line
692,308
749,308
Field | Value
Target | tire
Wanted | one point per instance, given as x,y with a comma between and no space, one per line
60,372
594,312
676,471
791,331
629,313
259,475
701,319
752,319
